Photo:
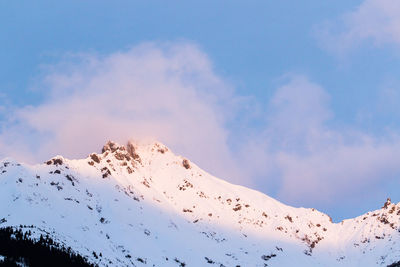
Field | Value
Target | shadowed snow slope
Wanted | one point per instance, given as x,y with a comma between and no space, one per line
140,204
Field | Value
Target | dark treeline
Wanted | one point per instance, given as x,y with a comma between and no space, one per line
19,247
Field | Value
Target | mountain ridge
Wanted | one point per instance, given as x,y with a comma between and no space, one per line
158,199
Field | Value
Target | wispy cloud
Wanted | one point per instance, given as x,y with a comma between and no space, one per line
314,159
167,92
171,92
374,21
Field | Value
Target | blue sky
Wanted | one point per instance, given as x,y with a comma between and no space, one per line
305,83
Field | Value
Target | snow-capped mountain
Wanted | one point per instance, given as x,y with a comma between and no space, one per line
141,205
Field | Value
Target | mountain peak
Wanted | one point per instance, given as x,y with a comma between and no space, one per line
180,215
131,147
120,151
387,203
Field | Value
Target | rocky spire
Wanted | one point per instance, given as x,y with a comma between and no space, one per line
387,203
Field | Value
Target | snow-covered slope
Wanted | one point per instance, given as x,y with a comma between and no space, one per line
141,205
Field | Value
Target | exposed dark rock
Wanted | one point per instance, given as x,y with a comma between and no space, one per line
210,261
56,161
106,172
237,207
129,170
109,146
132,151
95,158
141,260
181,263
70,178
289,218
122,156
146,183
268,257
186,164
387,203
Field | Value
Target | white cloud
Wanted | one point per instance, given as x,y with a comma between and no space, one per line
167,92
376,21
170,92
315,160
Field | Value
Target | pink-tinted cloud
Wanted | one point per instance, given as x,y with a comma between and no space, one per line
167,92
170,92
316,161
376,21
